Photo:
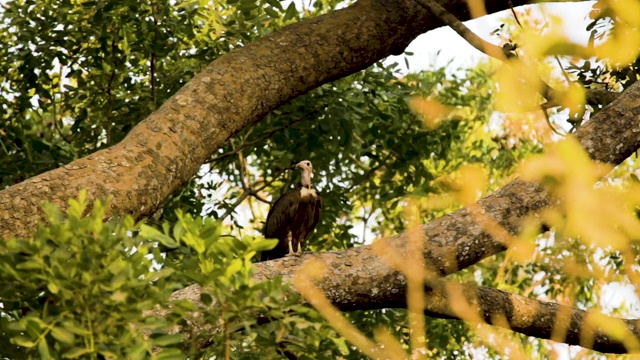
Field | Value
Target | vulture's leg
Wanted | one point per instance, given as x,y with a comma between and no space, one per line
290,241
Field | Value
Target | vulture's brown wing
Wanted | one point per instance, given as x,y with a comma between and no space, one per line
318,210
281,214
279,219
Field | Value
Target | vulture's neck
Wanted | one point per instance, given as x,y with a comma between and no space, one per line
305,181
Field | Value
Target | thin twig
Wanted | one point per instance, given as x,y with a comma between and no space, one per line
365,221
462,30
513,11
248,192
242,169
546,117
238,201
566,76
358,162
564,73
260,198
368,173
152,68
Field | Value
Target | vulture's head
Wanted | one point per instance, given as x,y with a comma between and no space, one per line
306,167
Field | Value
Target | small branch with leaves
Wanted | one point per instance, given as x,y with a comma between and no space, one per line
266,136
506,52
251,191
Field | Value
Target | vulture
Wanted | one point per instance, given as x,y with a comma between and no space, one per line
293,216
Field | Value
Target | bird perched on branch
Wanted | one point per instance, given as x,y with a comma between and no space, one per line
293,216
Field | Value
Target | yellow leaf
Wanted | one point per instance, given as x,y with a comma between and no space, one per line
119,296
622,47
431,111
517,90
628,11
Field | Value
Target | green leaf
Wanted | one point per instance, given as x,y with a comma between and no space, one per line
341,344
291,12
275,3
62,335
74,328
138,352
23,341
53,288
178,230
161,274
119,296
171,354
54,215
29,265
155,235
43,350
165,340
76,352
247,5
34,326
272,13
263,245
77,207
206,299
234,267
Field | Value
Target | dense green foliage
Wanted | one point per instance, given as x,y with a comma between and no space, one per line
85,288
78,75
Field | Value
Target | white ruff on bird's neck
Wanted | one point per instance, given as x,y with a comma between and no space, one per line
307,191
306,178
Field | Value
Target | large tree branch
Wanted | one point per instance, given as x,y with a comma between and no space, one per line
531,317
482,305
543,320
238,89
362,279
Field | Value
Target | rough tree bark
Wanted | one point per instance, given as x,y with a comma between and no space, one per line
361,279
238,89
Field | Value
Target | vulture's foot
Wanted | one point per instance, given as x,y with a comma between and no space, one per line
290,243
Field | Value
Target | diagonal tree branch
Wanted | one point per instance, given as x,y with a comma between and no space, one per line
461,29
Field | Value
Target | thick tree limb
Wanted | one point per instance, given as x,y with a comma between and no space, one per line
166,149
532,317
361,279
